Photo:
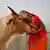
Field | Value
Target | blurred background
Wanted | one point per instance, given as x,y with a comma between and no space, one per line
38,7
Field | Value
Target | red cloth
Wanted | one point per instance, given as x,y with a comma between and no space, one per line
34,38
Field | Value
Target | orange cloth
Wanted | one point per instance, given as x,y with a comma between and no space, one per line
41,45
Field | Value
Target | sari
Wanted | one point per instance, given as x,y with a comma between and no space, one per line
39,40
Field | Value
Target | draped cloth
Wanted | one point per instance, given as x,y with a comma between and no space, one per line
39,41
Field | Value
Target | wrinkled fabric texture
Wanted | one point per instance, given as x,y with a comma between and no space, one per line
37,42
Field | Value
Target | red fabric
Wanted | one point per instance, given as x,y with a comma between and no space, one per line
34,38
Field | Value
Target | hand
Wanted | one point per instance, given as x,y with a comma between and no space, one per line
34,31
